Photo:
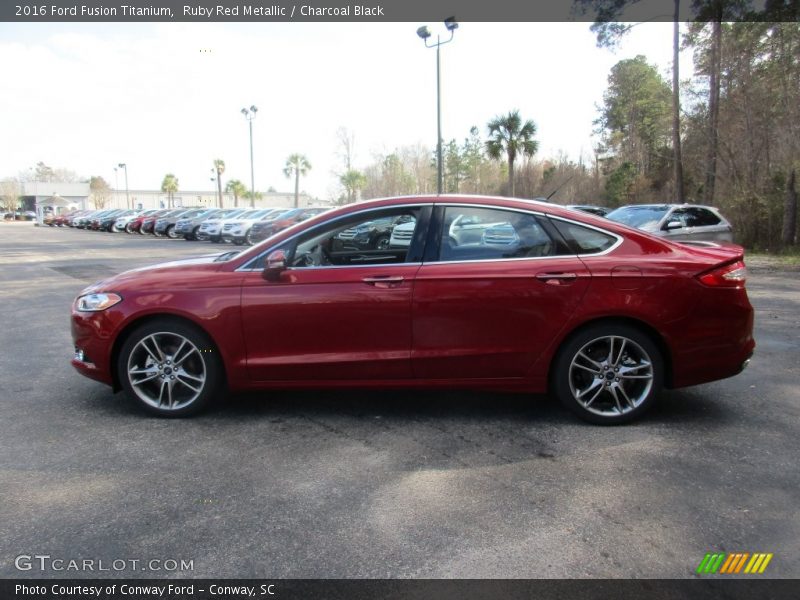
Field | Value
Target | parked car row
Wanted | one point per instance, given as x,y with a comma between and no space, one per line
27,215
679,222
232,225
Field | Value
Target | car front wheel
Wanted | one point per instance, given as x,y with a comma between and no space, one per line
171,233
608,374
170,368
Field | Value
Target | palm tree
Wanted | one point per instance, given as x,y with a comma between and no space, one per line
252,197
510,136
352,181
237,188
169,186
298,165
219,167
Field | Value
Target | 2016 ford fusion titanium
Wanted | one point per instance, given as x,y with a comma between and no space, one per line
491,293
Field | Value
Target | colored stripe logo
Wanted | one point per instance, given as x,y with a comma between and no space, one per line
732,563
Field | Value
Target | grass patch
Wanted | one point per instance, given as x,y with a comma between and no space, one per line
783,259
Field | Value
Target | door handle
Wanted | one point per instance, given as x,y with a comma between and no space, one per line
557,278
384,281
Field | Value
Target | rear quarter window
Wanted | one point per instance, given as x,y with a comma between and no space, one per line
584,240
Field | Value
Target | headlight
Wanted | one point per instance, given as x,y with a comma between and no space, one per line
97,302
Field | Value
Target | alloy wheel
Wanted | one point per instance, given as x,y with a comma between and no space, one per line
167,371
611,376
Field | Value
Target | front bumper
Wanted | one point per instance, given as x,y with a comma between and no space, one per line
233,236
92,338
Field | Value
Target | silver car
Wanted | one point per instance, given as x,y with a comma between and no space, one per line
187,227
678,222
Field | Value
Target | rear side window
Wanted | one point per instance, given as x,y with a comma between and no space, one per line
699,217
473,233
584,240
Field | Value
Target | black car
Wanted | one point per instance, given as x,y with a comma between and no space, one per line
278,221
106,223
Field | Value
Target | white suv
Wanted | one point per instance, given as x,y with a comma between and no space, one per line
237,229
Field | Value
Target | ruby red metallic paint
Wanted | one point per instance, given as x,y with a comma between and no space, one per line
481,324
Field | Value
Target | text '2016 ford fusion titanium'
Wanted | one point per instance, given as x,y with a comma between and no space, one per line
489,293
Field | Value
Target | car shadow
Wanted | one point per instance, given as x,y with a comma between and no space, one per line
396,404
688,407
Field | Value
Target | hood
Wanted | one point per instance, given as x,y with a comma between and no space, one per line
161,273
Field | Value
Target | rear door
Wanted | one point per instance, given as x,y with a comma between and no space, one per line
486,304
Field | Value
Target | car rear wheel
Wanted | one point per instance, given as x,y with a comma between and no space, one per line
129,228
170,368
171,232
382,243
608,374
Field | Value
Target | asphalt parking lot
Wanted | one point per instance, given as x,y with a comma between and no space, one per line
380,484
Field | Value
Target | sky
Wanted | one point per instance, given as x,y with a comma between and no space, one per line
166,97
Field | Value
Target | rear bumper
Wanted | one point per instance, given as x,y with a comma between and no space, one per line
717,342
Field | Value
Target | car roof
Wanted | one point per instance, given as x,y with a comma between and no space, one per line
538,205
666,206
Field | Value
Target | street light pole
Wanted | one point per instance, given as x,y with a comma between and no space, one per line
127,195
116,184
424,33
250,114
218,198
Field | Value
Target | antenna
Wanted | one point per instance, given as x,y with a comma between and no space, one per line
553,193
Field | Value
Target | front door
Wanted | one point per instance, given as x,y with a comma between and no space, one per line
341,311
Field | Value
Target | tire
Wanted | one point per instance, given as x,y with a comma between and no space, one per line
588,374
381,242
129,228
248,239
142,231
193,235
171,232
157,386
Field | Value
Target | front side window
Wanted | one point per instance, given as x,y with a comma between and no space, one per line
472,233
362,239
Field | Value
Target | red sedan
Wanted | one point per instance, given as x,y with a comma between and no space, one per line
491,293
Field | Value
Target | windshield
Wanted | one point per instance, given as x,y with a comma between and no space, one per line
642,217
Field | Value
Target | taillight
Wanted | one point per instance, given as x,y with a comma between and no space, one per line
732,275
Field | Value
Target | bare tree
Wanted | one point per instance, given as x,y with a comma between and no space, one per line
10,191
790,211
100,192
347,148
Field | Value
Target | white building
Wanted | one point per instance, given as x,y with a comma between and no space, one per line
41,196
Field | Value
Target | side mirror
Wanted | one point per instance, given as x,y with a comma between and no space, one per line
673,225
276,264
